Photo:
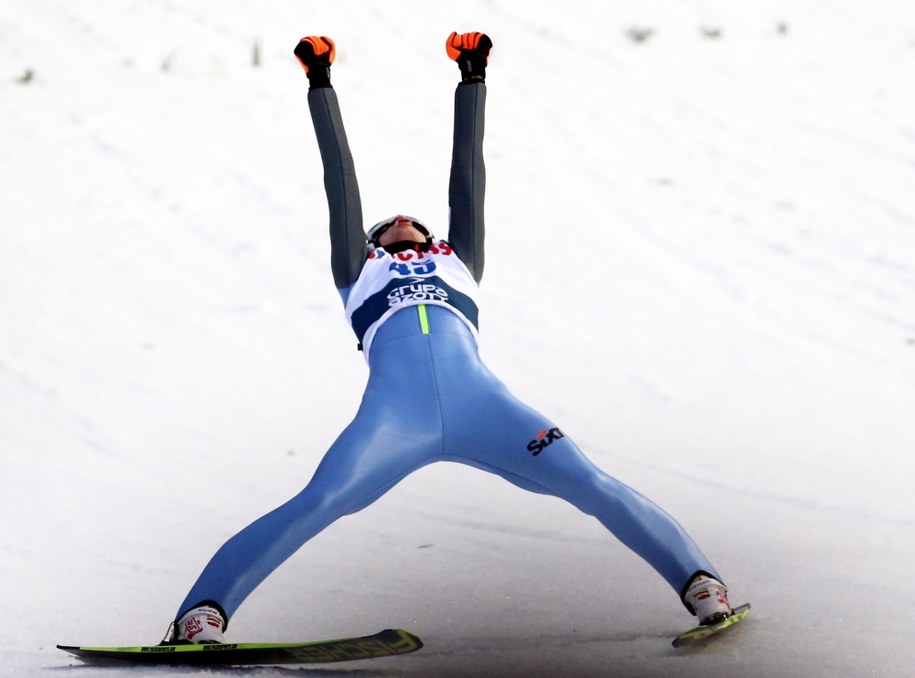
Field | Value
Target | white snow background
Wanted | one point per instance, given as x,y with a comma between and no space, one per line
700,262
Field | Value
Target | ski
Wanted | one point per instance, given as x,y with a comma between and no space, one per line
387,643
694,635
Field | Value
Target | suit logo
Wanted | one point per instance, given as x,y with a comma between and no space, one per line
544,439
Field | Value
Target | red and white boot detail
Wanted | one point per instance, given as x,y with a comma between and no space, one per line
707,598
201,625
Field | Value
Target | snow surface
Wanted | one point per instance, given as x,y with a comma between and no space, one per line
701,262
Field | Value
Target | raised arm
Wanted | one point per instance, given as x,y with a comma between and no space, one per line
347,237
467,185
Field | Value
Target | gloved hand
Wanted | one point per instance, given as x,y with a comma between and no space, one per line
316,54
471,51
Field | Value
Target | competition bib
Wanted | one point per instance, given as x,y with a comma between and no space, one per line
391,282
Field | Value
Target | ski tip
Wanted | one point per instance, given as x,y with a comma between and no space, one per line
411,642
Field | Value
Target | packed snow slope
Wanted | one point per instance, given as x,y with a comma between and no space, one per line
700,261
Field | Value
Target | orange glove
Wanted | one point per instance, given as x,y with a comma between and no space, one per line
471,52
455,44
316,54
314,50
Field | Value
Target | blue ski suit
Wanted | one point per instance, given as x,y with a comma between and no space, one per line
429,397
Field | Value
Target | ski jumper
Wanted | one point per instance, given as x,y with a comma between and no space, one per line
429,397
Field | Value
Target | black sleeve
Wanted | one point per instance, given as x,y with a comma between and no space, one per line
467,186
348,248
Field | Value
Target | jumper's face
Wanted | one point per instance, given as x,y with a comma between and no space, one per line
400,229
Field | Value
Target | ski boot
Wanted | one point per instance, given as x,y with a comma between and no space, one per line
203,624
707,598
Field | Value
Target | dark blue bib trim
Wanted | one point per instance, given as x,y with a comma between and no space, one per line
408,292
